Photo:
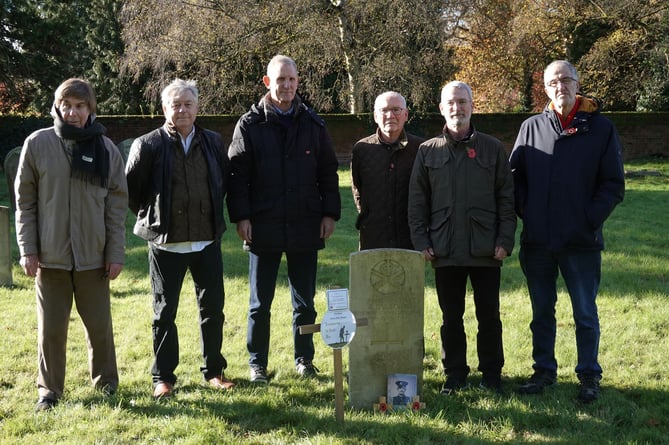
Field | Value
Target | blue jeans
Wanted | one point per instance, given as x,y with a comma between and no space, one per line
581,271
263,269
167,271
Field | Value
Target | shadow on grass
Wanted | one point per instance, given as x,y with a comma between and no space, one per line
624,416
294,416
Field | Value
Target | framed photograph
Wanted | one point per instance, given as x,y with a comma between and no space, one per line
401,390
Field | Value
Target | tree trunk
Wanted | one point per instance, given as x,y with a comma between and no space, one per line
351,65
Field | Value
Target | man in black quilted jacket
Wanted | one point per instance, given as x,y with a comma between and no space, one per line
284,198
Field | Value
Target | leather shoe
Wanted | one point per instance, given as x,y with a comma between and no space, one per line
163,390
220,382
45,404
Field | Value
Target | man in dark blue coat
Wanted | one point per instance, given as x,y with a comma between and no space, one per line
568,177
284,197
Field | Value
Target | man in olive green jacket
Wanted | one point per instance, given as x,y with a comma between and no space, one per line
461,216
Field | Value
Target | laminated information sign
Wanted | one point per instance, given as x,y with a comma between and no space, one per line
338,324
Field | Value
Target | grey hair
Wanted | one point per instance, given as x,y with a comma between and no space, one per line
280,59
387,95
177,87
572,68
458,84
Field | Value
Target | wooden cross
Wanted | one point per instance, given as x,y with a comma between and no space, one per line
416,404
383,406
338,367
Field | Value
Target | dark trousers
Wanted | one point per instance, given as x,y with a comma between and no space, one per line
263,270
167,271
451,284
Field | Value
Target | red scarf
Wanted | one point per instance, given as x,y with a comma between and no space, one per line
565,121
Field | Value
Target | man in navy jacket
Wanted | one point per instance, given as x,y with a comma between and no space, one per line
568,177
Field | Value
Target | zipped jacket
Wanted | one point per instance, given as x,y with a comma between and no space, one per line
567,181
71,224
284,177
461,200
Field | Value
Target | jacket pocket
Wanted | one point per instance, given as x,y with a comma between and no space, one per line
313,208
436,158
482,232
440,231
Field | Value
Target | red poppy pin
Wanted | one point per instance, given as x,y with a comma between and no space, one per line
571,130
471,153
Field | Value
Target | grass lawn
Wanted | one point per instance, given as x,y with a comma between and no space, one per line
634,313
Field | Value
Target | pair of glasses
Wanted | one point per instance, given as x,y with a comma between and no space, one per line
396,110
563,80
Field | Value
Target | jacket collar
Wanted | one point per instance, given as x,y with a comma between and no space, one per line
400,143
588,107
266,107
470,139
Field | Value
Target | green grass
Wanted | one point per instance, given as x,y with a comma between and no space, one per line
633,409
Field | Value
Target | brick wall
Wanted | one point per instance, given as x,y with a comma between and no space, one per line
642,134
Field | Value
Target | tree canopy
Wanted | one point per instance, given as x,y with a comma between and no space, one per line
347,51
43,43
620,48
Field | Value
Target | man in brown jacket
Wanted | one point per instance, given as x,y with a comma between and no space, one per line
380,168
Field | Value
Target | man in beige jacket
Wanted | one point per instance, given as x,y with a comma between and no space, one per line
71,204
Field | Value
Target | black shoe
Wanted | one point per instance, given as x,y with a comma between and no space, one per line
306,369
589,390
541,379
492,382
45,404
107,389
453,384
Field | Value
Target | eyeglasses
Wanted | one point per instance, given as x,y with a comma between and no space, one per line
563,80
396,110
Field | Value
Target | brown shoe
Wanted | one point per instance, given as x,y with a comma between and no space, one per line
220,382
163,390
